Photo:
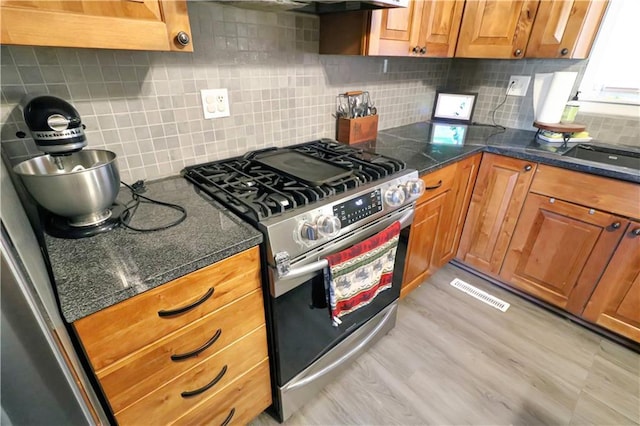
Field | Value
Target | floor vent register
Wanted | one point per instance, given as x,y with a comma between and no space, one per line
482,296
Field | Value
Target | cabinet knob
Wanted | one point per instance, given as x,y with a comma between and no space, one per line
423,50
416,49
183,38
636,232
552,200
616,225
528,168
564,51
517,52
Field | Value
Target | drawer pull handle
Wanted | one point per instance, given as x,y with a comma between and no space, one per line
616,225
436,186
229,417
636,232
184,309
528,168
196,352
188,394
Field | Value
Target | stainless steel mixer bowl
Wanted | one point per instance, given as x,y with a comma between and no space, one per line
82,190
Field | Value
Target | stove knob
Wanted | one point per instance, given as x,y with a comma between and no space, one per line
413,188
309,231
328,225
394,197
324,226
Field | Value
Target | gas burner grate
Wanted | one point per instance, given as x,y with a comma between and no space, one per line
257,192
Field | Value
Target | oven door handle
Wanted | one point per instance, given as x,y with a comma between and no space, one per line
344,358
323,263
306,269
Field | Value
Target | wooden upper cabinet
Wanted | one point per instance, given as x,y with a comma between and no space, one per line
615,303
565,28
559,250
496,29
391,29
497,199
113,24
423,29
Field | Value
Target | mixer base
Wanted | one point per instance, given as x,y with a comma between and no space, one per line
59,227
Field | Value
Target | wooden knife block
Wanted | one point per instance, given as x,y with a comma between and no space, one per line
354,130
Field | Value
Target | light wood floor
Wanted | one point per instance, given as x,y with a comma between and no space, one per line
453,360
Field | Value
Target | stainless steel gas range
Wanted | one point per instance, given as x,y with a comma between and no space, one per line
312,200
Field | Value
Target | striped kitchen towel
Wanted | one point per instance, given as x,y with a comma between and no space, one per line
358,274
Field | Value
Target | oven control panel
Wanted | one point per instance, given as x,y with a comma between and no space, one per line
358,208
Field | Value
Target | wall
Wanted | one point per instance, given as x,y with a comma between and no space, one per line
146,107
490,78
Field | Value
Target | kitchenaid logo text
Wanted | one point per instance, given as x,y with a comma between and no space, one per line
69,133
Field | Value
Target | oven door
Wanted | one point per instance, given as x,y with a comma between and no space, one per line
302,328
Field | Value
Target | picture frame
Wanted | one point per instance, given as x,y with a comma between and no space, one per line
454,107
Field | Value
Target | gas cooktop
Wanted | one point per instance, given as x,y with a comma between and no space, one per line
265,183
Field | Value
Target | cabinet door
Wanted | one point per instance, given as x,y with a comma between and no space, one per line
120,24
615,303
439,27
458,203
559,250
425,29
428,222
496,29
393,31
497,199
565,28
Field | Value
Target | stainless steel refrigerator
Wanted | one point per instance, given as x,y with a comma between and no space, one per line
43,382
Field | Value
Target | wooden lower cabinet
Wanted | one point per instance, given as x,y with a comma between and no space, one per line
137,375
500,190
559,250
437,225
184,346
148,317
466,173
172,399
429,221
238,403
615,303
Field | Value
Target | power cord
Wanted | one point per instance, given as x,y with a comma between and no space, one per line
136,199
493,113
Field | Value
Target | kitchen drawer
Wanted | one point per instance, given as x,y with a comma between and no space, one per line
597,192
119,330
166,403
238,403
438,182
137,375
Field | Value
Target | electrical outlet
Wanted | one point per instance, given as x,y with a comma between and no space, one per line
215,103
518,85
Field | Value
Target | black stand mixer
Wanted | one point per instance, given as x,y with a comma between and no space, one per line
76,187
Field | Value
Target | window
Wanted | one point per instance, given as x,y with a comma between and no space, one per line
613,71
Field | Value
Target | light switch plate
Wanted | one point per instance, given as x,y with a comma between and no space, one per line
215,103
519,86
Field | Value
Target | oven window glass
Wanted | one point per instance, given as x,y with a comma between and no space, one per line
303,325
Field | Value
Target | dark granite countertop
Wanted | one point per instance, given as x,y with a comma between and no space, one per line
94,273
410,143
